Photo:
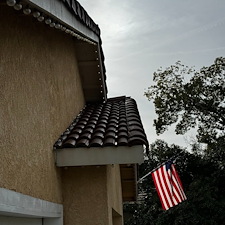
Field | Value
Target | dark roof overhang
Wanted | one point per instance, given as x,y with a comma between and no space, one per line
92,71
70,17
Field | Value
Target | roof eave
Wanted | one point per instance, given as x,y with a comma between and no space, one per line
91,66
59,11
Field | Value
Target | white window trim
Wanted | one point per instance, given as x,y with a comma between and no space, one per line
16,204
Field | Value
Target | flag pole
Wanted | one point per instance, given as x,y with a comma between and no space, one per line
149,173
169,160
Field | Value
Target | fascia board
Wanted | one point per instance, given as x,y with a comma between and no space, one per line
99,156
58,10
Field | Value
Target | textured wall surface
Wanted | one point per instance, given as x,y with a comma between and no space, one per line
91,194
40,94
115,209
85,195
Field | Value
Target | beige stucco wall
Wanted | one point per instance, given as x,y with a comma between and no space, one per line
91,194
85,195
40,94
115,209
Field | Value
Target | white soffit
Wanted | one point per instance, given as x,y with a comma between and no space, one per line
99,156
57,9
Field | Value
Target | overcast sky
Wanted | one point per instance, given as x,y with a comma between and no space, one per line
139,36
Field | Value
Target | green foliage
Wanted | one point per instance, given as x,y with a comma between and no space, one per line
203,179
189,99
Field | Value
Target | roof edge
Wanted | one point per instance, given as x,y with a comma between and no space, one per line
69,16
97,156
60,12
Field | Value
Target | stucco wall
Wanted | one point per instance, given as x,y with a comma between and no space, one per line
85,195
92,195
115,203
40,94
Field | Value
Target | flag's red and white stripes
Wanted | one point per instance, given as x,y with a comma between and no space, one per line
168,186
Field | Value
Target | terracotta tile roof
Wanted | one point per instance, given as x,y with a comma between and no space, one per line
113,123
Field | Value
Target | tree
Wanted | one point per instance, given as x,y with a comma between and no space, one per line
203,180
189,99
148,208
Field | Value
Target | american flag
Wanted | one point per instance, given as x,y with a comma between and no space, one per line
168,185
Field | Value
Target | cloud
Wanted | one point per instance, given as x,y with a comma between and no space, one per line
139,36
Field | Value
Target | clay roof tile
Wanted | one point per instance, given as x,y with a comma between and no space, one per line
115,122
70,143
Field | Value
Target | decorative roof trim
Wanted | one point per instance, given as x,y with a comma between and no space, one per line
56,15
98,156
70,17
